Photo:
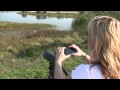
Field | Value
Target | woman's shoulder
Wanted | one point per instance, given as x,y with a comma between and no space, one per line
89,66
88,71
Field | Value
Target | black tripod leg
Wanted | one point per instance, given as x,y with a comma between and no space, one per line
50,56
51,70
65,72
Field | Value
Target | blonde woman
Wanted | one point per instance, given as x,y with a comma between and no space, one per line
104,44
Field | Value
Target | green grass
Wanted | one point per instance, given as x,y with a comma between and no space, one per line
23,58
22,69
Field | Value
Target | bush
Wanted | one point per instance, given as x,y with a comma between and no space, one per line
80,23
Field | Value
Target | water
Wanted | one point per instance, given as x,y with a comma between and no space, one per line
61,23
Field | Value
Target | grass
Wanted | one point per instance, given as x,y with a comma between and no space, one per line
22,57
22,69
23,26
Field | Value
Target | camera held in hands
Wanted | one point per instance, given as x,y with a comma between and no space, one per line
69,50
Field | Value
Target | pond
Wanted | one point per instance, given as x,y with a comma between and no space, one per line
61,23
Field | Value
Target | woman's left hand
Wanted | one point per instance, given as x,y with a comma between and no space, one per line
60,56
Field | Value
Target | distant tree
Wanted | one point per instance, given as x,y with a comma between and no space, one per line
38,12
81,12
44,12
58,12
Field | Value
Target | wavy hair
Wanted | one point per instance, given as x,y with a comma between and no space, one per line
104,31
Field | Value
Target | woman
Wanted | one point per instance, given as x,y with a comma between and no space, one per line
104,44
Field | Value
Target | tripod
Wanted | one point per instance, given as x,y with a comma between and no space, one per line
50,56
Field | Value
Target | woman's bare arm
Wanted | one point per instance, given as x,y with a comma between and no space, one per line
59,72
60,57
86,57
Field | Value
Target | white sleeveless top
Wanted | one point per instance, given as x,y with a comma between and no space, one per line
84,71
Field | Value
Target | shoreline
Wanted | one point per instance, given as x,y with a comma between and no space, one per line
75,12
51,14
23,26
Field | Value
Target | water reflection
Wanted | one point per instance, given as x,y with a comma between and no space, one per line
59,16
41,17
39,14
43,14
24,14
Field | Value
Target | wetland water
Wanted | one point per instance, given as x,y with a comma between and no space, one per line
61,23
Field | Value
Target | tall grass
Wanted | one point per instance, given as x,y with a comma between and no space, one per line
23,26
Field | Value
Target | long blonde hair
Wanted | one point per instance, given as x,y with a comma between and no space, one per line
105,33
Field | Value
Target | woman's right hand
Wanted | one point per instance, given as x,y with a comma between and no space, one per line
79,51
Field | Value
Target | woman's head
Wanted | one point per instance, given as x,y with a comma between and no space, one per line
104,42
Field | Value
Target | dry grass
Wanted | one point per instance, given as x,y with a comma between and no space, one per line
23,26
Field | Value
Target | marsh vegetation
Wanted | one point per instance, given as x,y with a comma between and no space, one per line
21,52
